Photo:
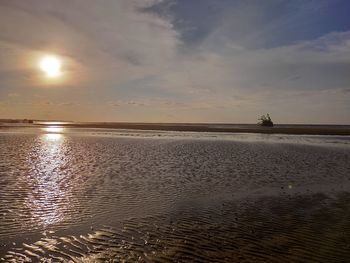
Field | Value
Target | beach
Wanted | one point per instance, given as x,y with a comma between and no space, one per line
174,131
301,129
97,195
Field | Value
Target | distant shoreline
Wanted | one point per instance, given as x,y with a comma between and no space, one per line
209,128
227,128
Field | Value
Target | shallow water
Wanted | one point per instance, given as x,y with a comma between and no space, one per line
90,195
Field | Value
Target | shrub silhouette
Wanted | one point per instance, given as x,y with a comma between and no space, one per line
265,120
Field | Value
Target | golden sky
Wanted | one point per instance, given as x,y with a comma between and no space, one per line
152,61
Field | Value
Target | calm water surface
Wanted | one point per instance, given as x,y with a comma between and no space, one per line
98,195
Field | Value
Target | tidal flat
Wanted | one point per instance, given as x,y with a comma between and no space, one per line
104,195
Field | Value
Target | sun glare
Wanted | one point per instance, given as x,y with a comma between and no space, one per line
53,129
51,66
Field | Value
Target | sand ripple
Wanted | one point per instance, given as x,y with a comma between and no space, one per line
89,199
264,230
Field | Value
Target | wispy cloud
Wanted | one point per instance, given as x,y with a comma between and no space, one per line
223,61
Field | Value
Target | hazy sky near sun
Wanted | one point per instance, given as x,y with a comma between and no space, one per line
177,60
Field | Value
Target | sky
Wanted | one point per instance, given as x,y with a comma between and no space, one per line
222,61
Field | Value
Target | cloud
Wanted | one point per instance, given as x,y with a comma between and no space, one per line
135,61
107,43
307,64
13,95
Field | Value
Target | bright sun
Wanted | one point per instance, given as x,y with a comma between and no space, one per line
51,65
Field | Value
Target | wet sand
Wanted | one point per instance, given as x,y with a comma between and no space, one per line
278,129
311,228
73,196
224,128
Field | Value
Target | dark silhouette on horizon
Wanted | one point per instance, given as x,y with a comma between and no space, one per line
265,120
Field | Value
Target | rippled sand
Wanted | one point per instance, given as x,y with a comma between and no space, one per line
99,196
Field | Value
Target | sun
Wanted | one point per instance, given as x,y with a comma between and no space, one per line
51,66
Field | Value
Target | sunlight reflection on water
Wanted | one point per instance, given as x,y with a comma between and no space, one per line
53,137
53,129
47,200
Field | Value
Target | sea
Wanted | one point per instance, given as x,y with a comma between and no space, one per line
112,195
